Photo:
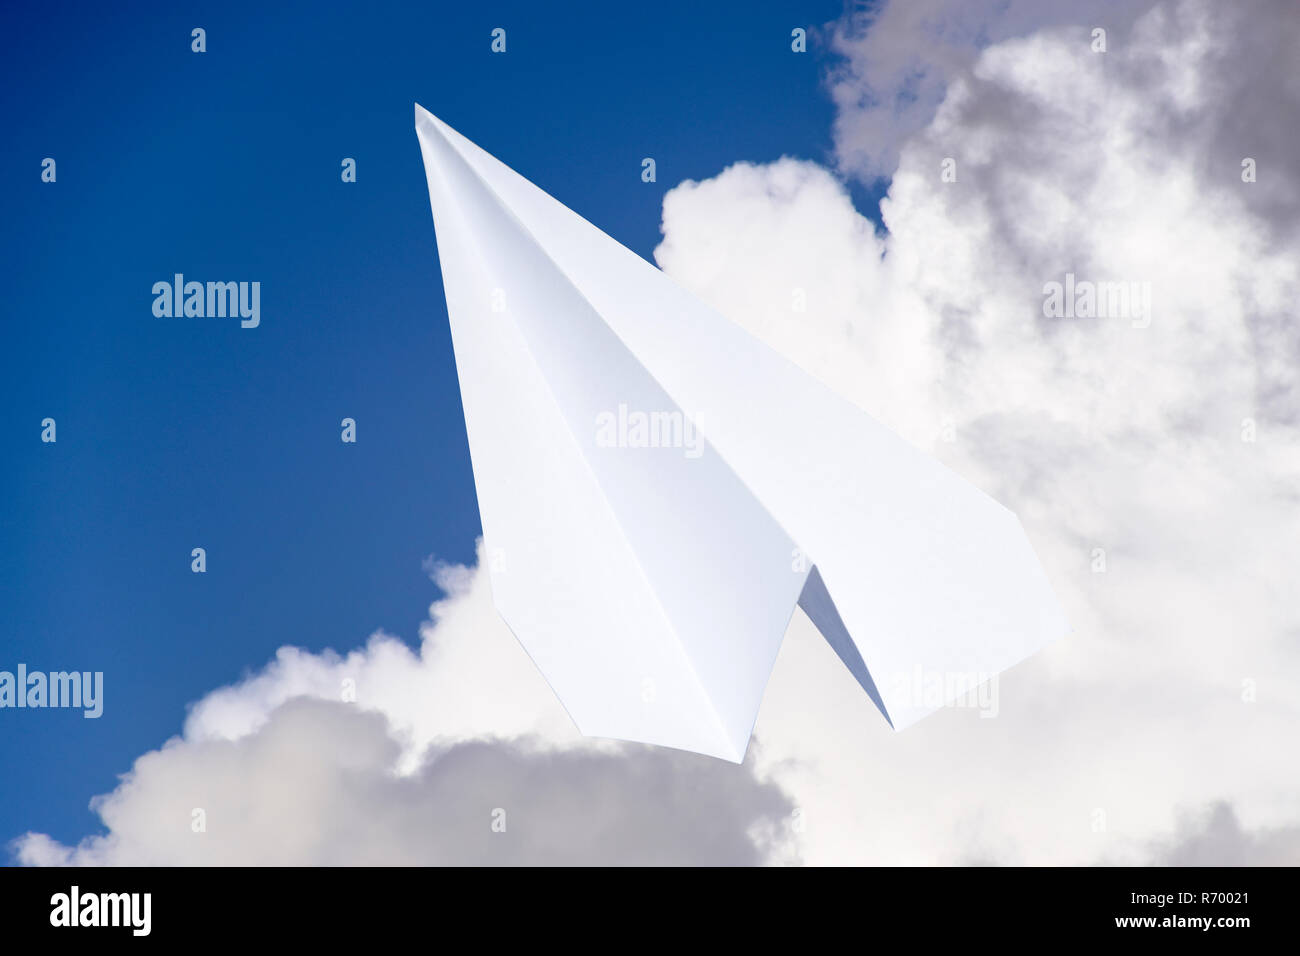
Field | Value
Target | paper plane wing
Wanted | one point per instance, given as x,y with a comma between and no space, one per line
659,489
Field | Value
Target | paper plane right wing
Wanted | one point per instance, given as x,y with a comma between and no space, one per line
653,585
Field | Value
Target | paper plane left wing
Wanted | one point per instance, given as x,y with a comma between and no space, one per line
648,585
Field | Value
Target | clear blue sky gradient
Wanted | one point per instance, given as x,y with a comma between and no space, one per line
176,433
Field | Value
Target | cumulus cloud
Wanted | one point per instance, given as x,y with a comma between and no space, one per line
1153,457
315,786
458,754
1215,838
470,679
897,57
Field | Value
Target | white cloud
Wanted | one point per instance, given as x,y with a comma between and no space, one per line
1214,837
315,786
1099,433
470,680
417,769
898,58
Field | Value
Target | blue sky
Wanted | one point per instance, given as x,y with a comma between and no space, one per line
178,433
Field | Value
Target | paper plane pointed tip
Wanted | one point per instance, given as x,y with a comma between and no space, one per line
426,120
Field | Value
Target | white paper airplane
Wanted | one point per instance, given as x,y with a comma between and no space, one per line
653,585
